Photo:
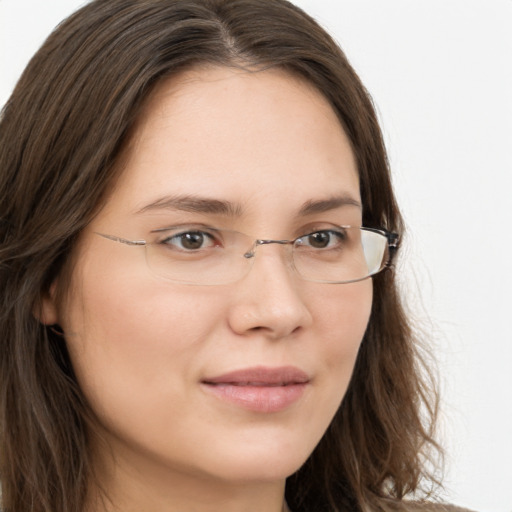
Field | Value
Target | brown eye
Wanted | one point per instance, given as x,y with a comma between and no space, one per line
190,241
325,239
319,240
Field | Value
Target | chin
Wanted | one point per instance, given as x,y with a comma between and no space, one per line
262,470
266,460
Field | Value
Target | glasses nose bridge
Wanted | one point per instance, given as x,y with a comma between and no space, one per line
252,251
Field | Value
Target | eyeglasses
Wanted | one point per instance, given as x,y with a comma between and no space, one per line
200,255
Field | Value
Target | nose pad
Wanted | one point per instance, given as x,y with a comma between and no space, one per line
252,251
269,298
286,253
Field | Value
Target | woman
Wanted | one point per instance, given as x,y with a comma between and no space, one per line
193,317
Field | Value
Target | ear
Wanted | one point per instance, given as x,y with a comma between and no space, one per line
46,311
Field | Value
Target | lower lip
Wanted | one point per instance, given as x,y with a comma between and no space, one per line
265,399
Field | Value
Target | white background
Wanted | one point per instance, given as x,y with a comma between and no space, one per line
440,73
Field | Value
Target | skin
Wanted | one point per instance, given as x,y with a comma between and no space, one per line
267,143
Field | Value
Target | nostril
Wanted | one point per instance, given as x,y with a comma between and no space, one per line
272,332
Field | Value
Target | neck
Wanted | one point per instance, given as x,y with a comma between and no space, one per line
132,487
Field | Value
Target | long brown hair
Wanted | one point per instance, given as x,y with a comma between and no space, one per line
61,135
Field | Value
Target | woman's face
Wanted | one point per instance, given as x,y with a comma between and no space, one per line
236,381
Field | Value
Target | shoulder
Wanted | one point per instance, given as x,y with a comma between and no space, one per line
433,507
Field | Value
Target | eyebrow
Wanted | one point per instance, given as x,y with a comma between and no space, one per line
195,204
325,205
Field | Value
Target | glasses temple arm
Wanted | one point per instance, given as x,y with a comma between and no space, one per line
122,240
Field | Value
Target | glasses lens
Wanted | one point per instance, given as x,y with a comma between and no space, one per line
331,255
209,257
340,255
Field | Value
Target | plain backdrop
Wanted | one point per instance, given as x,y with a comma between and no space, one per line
440,74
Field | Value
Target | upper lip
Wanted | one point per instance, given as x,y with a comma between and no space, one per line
261,376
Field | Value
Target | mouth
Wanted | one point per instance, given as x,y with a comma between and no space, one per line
259,389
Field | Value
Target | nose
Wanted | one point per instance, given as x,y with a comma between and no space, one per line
271,299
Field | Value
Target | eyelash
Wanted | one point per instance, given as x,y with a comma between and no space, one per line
198,235
191,233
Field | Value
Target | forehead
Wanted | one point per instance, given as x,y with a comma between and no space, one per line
242,136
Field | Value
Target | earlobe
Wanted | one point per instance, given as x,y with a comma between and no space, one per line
46,311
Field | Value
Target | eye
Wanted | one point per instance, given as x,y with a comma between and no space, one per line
191,241
324,239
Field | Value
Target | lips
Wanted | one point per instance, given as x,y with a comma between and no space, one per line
259,389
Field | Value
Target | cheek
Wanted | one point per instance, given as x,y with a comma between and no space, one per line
341,318
344,311
132,345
